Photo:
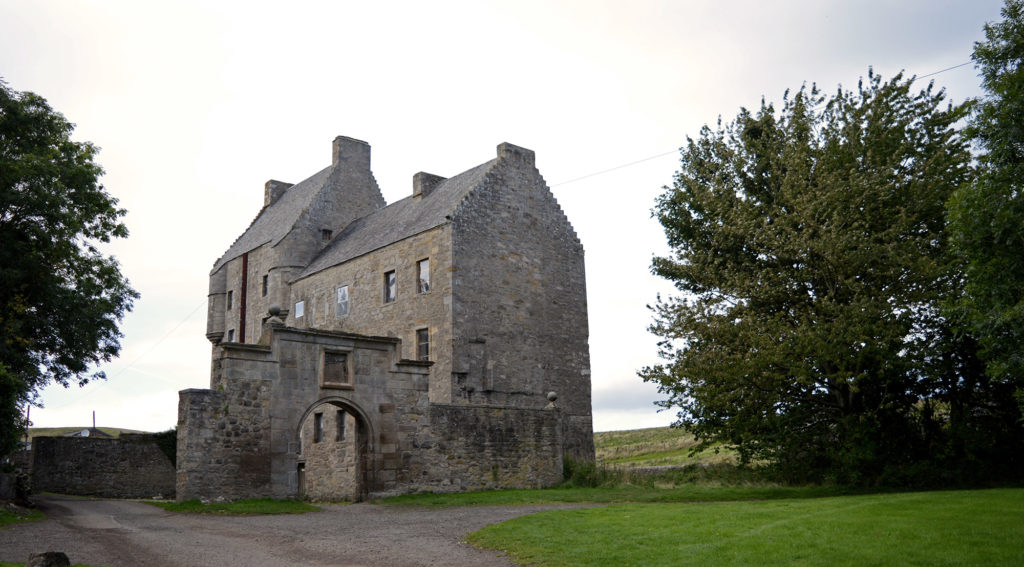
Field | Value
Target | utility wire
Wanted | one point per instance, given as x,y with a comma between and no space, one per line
587,176
162,339
632,163
944,70
123,369
614,168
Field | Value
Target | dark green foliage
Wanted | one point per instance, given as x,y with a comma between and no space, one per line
60,298
168,443
987,217
589,474
809,250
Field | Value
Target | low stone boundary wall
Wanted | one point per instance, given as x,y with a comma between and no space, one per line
132,466
493,447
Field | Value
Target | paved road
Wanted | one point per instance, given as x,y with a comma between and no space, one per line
125,533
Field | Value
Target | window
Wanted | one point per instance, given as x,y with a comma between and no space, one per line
341,425
318,427
300,309
423,275
325,235
422,344
389,286
343,303
231,335
231,299
265,285
335,371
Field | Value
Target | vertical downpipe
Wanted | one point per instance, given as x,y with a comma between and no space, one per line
244,299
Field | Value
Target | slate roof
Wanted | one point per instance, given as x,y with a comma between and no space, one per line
275,221
399,220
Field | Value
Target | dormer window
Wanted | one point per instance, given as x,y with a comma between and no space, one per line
325,235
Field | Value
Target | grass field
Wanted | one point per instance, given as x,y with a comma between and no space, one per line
12,515
656,446
927,528
239,507
617,494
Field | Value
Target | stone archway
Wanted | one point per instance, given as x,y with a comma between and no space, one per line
334,461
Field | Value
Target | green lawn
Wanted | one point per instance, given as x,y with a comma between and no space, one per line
250,506
18,515
618,494
983,527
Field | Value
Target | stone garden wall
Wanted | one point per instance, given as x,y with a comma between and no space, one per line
132,466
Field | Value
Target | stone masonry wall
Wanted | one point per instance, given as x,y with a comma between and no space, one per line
224,433
132,466
251,435
332,463
349,192
223,443
457,447
369,315
520,302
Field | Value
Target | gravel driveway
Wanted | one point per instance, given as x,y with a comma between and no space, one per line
125,533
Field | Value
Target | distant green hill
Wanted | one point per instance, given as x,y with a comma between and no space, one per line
34,432
657,446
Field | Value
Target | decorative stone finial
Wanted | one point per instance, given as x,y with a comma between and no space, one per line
552,396
275,316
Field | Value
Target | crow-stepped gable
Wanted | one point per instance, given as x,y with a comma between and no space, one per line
438,343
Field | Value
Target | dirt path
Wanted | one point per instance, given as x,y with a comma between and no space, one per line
124,533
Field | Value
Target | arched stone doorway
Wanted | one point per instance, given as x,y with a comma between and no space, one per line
334,452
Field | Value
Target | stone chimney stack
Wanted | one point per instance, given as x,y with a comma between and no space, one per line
354,154
508,151
273,190
423,183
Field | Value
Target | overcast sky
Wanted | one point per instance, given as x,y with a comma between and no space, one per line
196,104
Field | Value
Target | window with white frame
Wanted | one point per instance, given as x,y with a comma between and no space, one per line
343,301
390,287
300,309
423,275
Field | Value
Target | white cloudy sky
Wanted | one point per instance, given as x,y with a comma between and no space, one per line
195,104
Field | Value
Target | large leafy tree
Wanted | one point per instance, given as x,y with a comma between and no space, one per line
60,298
809,253
987,217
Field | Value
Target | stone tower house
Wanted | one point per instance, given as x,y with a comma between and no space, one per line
366,348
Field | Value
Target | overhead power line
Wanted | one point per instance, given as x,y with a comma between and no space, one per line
632,163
